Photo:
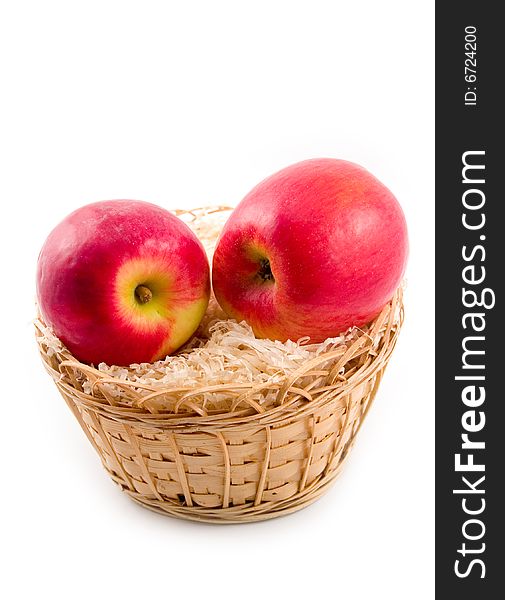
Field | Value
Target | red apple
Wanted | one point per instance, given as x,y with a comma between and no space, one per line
310,251
122,282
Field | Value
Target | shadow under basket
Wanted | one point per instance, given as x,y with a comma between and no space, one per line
253,461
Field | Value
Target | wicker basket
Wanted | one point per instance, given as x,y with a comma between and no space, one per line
249,463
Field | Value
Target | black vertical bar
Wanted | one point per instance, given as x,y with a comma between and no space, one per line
470,268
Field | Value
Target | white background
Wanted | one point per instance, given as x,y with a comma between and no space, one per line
187,104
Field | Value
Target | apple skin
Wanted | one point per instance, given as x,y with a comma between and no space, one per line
336,243
88,272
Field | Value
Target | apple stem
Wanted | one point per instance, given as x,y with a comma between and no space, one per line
265,271
143,294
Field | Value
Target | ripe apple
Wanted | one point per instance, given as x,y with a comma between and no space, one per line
122,282
310,251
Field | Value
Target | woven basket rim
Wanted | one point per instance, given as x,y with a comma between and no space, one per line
384,327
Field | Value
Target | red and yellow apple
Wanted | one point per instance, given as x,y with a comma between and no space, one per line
310,251
122,282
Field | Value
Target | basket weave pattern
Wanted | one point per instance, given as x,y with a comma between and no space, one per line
247,464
